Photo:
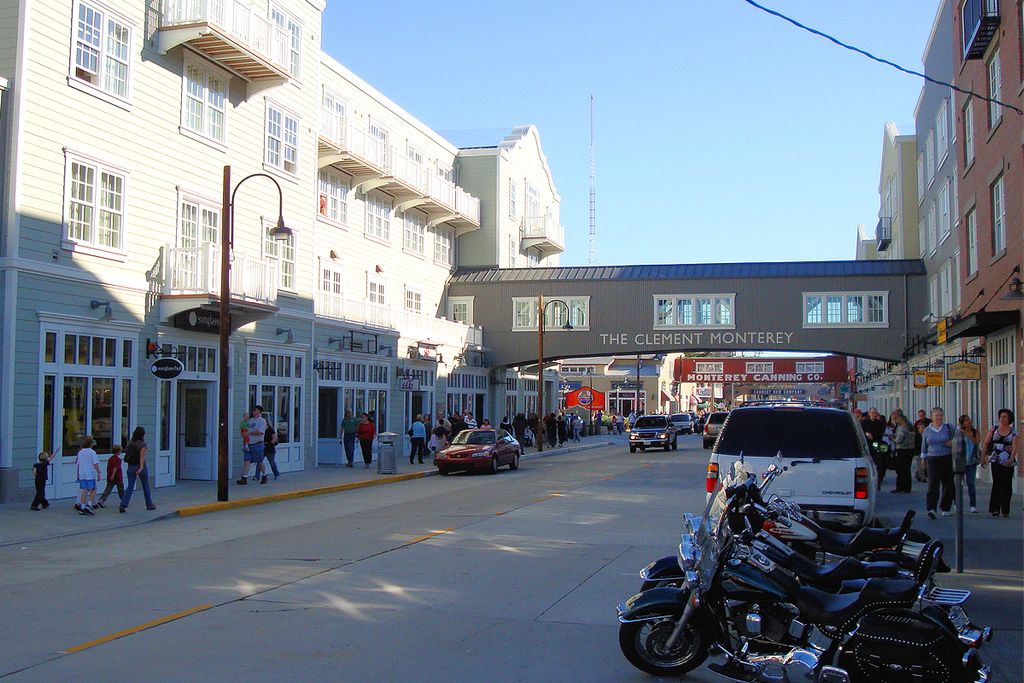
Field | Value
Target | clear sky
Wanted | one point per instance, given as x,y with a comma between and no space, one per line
723,133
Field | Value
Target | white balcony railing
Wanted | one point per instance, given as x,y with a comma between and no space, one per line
408,170
467,205
196,271
244,21
543,228
407,323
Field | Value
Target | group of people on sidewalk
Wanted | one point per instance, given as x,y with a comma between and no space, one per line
895,443
259,443
87,462
352,430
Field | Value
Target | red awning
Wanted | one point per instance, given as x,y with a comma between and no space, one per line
665,398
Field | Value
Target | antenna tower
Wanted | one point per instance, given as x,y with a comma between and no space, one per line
592,258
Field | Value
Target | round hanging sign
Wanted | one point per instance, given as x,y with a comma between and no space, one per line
167,368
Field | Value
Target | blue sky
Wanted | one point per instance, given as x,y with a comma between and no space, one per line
723,134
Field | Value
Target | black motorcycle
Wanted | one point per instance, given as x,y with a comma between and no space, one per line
764,624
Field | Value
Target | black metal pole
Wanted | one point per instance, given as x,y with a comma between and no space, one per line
959,539
223,394
540,374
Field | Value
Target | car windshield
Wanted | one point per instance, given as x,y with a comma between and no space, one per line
795,432
650,422
717,418
482,438
682,417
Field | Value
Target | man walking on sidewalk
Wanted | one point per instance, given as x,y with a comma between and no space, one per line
418,439
349,426
257,430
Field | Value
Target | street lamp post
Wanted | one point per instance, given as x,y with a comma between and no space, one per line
280,232
541,308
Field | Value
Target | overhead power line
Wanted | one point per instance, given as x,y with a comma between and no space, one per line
880,60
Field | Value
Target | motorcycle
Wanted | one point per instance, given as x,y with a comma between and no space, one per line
739,605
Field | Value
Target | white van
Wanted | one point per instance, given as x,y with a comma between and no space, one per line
828,470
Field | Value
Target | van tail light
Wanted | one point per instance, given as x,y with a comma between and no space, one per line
712,480
705,429
860,483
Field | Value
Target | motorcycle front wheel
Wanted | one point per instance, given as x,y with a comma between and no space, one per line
644,645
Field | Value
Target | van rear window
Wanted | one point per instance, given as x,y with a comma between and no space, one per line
821,434
717,418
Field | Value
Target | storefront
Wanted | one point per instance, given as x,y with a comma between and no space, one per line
467,390
1002,377
416,382
345,383
276,380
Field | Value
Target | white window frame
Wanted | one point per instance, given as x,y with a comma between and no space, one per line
285,135
291,30
90,243
920,178
413,300
942,133
102,54
955,267
378,217
678,302
972,241
933,294
933,228
207,72
414,233
524,313
945,289
454,302
994,73
997,196
929,157
282,251
202,207
512,192
333,196
333,116
443,240
331,298
376,290
945,224
969,132
866,309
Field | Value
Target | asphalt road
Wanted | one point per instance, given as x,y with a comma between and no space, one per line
511,577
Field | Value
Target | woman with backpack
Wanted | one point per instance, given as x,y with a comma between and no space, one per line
971,439
903,445
937,453
270,451
1000,450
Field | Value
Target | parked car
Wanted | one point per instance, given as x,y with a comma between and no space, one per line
682,422
712,426
479,450
651,431
828,471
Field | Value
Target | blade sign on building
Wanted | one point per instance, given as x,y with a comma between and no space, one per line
753,370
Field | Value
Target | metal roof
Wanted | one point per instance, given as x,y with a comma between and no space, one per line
694,271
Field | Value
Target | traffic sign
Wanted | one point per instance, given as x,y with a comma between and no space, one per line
167,367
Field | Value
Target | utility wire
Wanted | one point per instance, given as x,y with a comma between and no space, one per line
880,60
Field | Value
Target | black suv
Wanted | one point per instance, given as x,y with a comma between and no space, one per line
652,430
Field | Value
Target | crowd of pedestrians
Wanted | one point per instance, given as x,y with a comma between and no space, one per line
935,442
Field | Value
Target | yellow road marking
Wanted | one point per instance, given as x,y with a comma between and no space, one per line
428,536
135,629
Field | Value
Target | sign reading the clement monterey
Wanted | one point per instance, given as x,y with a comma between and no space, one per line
709,339
788,370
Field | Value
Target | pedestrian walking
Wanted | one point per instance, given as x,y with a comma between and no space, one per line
254,449
135,459
366,432
971,445
88,463
1000,451
347,436
620,424
874,430
417,439
937,453
550,429
576,426
519,425
114,476
438,438
562,428
903,444
270,452
41,473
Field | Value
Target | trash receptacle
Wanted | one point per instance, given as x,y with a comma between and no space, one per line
386,453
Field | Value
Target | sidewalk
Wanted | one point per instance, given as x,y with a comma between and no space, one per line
19,525
993,560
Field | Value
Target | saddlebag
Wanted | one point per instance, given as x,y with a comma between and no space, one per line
904,646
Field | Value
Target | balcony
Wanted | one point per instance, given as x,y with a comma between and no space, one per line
407,323
191,279
543,234
883,233
980,21
351,149
232,33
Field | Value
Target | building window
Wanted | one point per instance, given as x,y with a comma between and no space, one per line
995,90
331,300
955,270
972,242
460,309
933,228
332,117
414,234
933,294
574,310
376,292
945,289
443,245
532,201
283,251
674,311
929,156
102,49
969,133
288,40
944,222
378,217
204,101
512,212
95,204
922,234
846,309
199,224
413,300
942,132
998,217
333,200
920,178
282,139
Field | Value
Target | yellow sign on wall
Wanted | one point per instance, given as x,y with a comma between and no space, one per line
920,379
940,331
934,378
963,370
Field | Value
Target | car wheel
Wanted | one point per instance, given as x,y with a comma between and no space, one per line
443,472
707,444
494,464
675,444
667,446
632,449
514,465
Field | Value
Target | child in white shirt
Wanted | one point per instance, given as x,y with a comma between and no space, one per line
88,472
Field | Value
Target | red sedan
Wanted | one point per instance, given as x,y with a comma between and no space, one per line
479,450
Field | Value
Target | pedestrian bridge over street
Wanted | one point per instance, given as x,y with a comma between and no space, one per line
871,309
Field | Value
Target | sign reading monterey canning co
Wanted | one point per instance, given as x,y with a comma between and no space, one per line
789,370
702,338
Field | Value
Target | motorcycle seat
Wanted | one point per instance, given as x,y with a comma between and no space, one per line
843,609
838,543
831,575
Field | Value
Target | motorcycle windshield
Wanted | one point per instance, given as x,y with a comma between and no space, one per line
712,534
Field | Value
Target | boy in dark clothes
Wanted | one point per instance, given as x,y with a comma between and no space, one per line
40,471
114,476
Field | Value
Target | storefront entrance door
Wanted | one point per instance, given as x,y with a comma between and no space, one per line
196,435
